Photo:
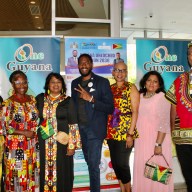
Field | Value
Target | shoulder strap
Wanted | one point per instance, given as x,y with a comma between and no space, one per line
159,155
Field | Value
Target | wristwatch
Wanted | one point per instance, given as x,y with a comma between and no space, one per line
158,145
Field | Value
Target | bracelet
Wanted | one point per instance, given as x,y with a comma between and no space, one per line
91,99
157,144
130,135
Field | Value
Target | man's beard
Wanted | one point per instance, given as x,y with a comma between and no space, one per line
85,74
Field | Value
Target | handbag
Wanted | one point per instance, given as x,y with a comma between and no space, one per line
46,129
62,137
157,172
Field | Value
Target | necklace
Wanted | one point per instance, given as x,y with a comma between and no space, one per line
149,95
20,100
121,86
55,97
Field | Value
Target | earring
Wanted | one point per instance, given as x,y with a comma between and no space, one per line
48,91
62,91
13,91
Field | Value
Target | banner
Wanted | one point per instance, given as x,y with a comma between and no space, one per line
168,57
105,53
36,57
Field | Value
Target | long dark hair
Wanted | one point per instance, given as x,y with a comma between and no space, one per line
57,76
145,78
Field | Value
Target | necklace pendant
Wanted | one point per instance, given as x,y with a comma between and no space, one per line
149,95
55,97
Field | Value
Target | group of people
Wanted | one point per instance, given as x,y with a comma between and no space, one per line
140,119
149,119
32,160
40,135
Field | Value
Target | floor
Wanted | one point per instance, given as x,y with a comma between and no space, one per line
178,188
179,185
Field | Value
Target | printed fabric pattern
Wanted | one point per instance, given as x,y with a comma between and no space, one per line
120,121
179,94
49,112
21,155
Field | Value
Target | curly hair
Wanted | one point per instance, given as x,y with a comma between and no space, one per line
85,55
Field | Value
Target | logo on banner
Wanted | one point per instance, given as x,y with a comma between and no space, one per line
74,45
104,46
90,45
160,55
25,54
117,46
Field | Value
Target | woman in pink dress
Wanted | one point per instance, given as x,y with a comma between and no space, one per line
153,125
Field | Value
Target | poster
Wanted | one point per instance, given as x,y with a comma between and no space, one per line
168,57
104,52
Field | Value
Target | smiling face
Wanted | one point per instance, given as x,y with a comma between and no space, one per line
120,72
20,84
85,67
55,86
152,84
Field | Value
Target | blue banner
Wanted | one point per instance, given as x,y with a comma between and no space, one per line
34,56
103,51
168,57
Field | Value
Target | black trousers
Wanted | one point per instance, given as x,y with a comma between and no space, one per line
120,159
184,153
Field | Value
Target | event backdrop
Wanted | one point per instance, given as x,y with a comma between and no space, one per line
34,56
168,57
103,52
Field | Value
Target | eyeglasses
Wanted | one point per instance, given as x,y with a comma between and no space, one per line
19,83
120,70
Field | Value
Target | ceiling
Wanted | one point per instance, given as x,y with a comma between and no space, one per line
172,17
35,16
32,15
167,19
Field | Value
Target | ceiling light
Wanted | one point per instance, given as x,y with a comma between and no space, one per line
32,2
36,17
173,22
